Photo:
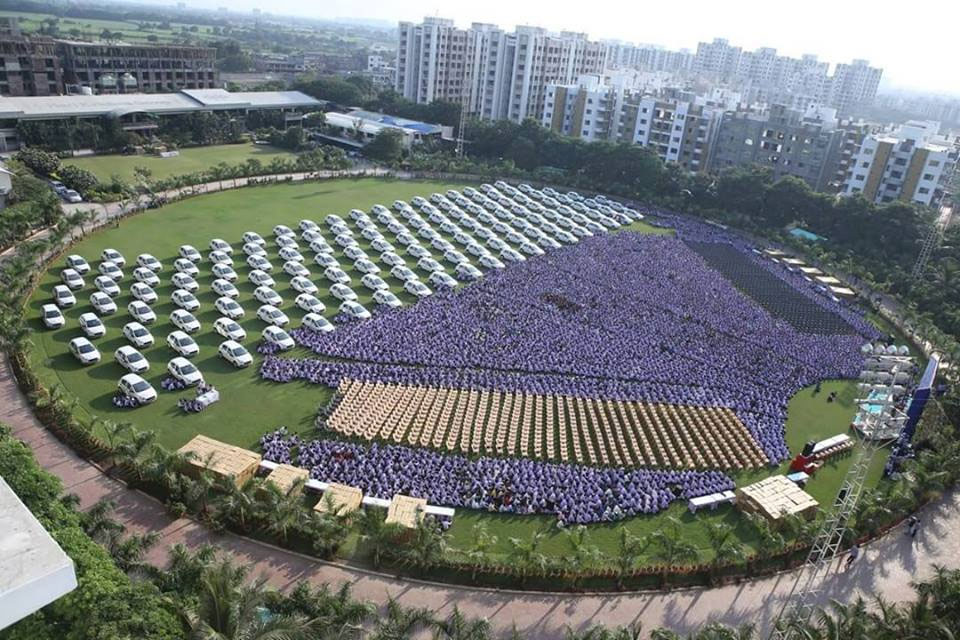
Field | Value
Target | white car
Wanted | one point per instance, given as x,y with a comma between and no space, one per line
392,259
386,298
228,307
371,234
290,254
266,295
92,326
418,251
381,246
189,252
401,272
260,263
344,240
183,319
531,249
114,256
131,359
133,386
252,237
490,262
468,272
184,371
354,252
234,353
72,279
336,274
143,292
184,281
405,238
294,268
309,302
106,285
225,272
326,260
319,245
341,230
279,337
307,224
271,315
137,335
229,329
454,257
84,351
316,322
223,288
512,255
148,261
441,279
78,264
182,265
185,300
547,242
140,312
102,303
144,275
417,288
429,264
332,219
217,257
182,344
52,318
303,285
254,249
282,230
366,266
217,244
287,241
309,235
342,292
354,310
261,278
374,282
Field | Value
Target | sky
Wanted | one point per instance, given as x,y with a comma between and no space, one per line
911,41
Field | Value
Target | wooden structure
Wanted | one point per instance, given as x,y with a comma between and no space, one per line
405,511
775,498
220,458
286,475
345,499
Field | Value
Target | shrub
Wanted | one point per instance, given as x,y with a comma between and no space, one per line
43,162
79,179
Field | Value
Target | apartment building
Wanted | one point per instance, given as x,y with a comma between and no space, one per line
109,67
30,66
498,75
853,86
620,55
911,163
804,144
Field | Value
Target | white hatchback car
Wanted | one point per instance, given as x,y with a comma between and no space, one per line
225,272
303,285
354,309
228,307
261,278
354,252
403,273
218,244
290,254
78,264
441,279
282,230
184,281
133,386
337,275
51,316
266,295
386,298
84,351
235,353
223,288
259,262
294,268
254,249
310,303
417,288
144,275
106,285
147,260
182,344
316,322
72,279
102,303
185,300
253,237
217,257
279,337
319,245
271,315
326,260
189,252
342,292
183,319
92,326
374,282
392,259
287,241
137,335
229,329
466,271
184,371
114,256
143,292
182,265
140,312
131,359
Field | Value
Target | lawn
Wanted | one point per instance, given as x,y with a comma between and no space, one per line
250,407
189,160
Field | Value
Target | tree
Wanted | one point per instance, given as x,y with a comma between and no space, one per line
386,146
79,179
727,550
629,551
525,555
427,546
379,538
43,162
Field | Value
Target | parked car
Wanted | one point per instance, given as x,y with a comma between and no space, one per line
133,386
253,237
271,315
84,351
144,292
146,276
189,252
266,295
147,260
261,278
78,264
106,285
228,307
235,353
354,309
114,256
52,318
182,265
279,337
184,371
225,272
316,322
137,335
183,319
92,326
182,344
224,288
386,298
310,303
229,329
184,281
342,292
102,303
131,359
417,288
72,279
303,285
185,300
140,312
218,244
294,268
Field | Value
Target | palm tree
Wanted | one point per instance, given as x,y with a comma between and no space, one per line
282,512
130,452
400,623
457,627
525,555
672,548
338,613
769,540
727,550
238,505
427,546
629,551
582,553
165,467
483,541
114,431
228,609
197,492
379,537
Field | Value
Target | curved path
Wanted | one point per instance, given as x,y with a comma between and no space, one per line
886,568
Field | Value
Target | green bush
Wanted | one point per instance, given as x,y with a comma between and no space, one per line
43,162
106,605
79,179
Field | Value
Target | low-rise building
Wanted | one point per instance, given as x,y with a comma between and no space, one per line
357,128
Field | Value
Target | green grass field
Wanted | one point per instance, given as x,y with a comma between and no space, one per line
250,407
189,160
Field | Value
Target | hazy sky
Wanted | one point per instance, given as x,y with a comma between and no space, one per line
912,41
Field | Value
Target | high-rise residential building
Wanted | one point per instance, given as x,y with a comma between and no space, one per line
911,163
804,144
495,73
853,86
717,58
620,55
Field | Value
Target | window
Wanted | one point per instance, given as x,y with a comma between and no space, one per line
923,190
748,142
928,176
900,162
896,174
865,165
934,163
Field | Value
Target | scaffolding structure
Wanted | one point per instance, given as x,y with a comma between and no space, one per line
802,599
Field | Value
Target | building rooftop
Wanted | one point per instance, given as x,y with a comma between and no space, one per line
115,105
34,570
395,121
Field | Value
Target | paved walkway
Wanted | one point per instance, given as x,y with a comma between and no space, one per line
886,568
